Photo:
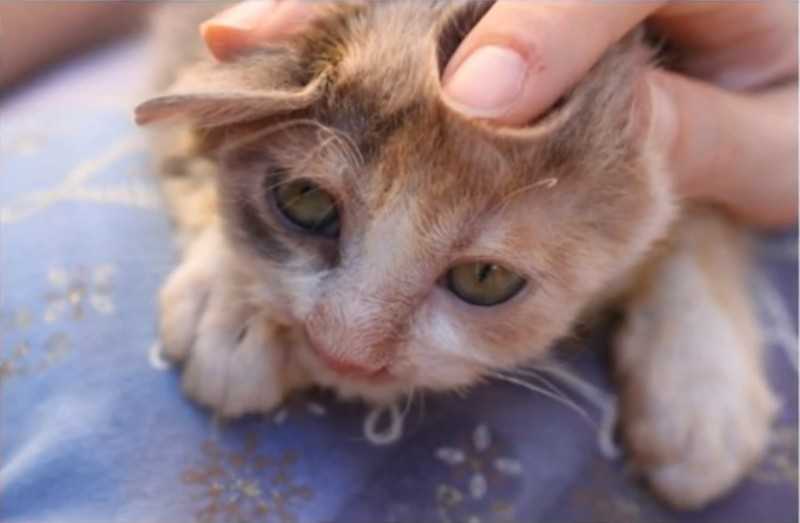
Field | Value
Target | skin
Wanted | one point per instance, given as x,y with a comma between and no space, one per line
727,111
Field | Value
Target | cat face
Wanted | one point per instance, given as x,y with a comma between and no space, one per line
414,248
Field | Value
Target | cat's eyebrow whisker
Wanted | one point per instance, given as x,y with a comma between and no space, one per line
312,155
346,146
545,392
548,183
266,131
349,146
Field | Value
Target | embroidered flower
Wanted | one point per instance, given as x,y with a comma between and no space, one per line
300,403
19,356
75,293
475,467
236,486
780,463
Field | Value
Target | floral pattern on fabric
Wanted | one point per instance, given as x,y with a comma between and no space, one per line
243,485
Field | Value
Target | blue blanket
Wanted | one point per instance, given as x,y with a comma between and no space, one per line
94,427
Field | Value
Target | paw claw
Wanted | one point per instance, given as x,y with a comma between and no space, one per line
231,363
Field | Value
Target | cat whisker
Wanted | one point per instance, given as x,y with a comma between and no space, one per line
409,402
545,392
531,373
459,391
580,385
605,403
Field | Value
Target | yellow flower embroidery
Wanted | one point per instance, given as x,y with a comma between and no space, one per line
780,463
475,467
236,486
75,293
17,355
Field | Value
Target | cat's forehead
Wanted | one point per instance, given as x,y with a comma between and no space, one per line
387,53
417,153
420,151
383,92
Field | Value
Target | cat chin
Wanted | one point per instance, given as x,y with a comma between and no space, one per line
371,394
383,393
380,391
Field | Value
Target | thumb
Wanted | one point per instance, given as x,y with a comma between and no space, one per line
735,149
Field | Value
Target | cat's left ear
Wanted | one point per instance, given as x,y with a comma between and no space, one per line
213,95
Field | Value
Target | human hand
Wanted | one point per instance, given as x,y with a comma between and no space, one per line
727,119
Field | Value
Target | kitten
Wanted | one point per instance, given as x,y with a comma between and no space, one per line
342,226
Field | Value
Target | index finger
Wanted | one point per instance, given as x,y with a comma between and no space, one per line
256,22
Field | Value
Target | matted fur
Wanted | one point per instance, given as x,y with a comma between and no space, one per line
574,201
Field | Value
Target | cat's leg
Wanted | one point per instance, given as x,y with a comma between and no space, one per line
233,353
234,356
696,406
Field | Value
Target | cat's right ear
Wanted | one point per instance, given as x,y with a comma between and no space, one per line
213,95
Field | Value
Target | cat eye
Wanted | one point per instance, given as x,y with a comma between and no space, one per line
483,284
309,207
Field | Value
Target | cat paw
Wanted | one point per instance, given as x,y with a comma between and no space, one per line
230,362
232,369
694,443
182,302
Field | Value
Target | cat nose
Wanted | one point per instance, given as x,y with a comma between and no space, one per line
343,363
348,367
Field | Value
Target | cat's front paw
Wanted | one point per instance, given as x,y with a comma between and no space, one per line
694,441
231,363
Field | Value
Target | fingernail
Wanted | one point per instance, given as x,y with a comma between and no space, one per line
488,82
243,16
227,32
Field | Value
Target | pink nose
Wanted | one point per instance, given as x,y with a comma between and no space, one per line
345,365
